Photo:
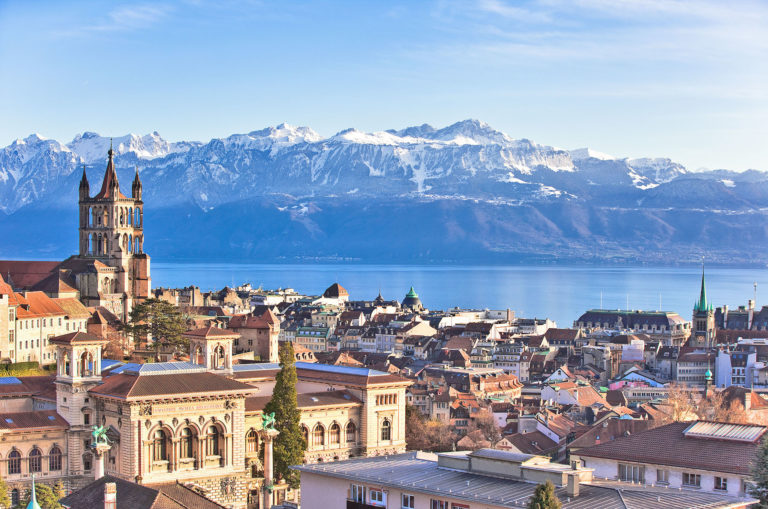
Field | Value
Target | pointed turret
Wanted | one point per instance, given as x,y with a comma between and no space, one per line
33,501
110,187
136,186
85,188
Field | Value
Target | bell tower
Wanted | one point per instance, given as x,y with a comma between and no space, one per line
703,334
111,231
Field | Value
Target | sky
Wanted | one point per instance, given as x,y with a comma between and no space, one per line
685,79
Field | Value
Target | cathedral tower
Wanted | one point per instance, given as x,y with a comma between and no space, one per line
703,334
112,233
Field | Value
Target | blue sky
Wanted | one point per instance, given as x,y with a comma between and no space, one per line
686,79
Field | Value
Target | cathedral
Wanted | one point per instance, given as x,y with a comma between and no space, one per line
111,269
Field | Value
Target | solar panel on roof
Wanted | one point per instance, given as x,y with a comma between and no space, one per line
260,366
724,431
9,421
9,380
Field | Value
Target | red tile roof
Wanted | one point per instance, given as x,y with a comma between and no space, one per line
40,419
77,338
26,274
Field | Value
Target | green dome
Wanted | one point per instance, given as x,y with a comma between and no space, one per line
411,294
708,375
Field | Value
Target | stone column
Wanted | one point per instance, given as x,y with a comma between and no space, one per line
267,436
99,451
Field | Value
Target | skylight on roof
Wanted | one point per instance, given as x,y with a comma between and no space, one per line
9,380
9,420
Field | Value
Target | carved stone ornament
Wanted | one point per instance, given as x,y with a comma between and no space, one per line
147,424
229,404
175,421
145,409
228,485
119,422
226,417
201,419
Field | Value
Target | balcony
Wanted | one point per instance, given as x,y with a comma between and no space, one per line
351,504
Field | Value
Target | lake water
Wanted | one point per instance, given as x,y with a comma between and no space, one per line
561,293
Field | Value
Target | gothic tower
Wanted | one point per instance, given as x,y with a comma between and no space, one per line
703,334
112,233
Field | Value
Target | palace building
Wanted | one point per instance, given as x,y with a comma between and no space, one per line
190,422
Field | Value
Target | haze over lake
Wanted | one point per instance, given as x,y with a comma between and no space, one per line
562,293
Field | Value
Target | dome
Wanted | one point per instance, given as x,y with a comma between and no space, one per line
335,291
708,375
412,300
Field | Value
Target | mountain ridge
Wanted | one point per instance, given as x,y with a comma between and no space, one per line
466,168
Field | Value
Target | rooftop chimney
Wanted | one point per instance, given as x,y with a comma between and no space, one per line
573,486
110,495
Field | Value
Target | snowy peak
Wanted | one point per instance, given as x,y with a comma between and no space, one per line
580,154
92,148
273,138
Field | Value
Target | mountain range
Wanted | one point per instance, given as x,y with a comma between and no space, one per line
466,193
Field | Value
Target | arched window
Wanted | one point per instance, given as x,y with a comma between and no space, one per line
386,430
159,446
334,433
54,459
122,217
14,462
187,443
35,460
15,500
137,218
213,440
130,216
305,434
218,357
197,357
251,441
318,435
67,366
351,432
86,364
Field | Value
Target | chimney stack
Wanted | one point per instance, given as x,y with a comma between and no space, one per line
110,495
573,486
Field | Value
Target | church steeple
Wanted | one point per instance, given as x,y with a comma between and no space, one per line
110,187
702,305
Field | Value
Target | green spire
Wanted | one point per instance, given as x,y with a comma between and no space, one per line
33,501
412,294
701,305
708,375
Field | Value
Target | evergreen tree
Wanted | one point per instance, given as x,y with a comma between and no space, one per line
759,487
5,497
544,497
160,319
289,446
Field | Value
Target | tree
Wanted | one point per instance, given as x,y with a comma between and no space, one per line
544,497
159,319
422,434
486,424
289,446
46,497
5,498
759,487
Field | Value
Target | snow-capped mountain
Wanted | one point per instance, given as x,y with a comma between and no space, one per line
289,171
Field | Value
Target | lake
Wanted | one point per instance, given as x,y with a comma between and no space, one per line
561,293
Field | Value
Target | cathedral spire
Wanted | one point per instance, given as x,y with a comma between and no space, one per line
136,186
110,187
701,305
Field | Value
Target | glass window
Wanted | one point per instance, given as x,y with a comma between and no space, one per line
408,502
438,504
691,479
14,462
251,441
662,476
386,430
318,435
721,483
213,441
187,449
351,432
357,493
15,500
378,498
54,459
335,433
35,460
159,446
631,473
